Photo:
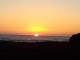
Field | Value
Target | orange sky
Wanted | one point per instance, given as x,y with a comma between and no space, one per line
45,17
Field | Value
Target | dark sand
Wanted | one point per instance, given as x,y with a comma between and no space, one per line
40,50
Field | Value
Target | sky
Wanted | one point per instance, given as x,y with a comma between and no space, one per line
44,17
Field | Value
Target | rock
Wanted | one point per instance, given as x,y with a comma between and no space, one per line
75,38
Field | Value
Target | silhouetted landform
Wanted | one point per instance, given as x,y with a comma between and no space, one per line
75,38
10,50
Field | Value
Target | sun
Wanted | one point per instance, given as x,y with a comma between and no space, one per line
36,35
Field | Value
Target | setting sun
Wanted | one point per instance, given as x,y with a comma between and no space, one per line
36,35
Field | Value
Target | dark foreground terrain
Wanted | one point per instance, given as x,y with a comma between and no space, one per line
42,50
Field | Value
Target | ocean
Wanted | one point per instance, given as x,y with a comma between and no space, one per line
26,38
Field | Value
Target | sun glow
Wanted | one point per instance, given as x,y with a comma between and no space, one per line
36,29
36,35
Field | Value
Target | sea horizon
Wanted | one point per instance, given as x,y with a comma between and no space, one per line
31,38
